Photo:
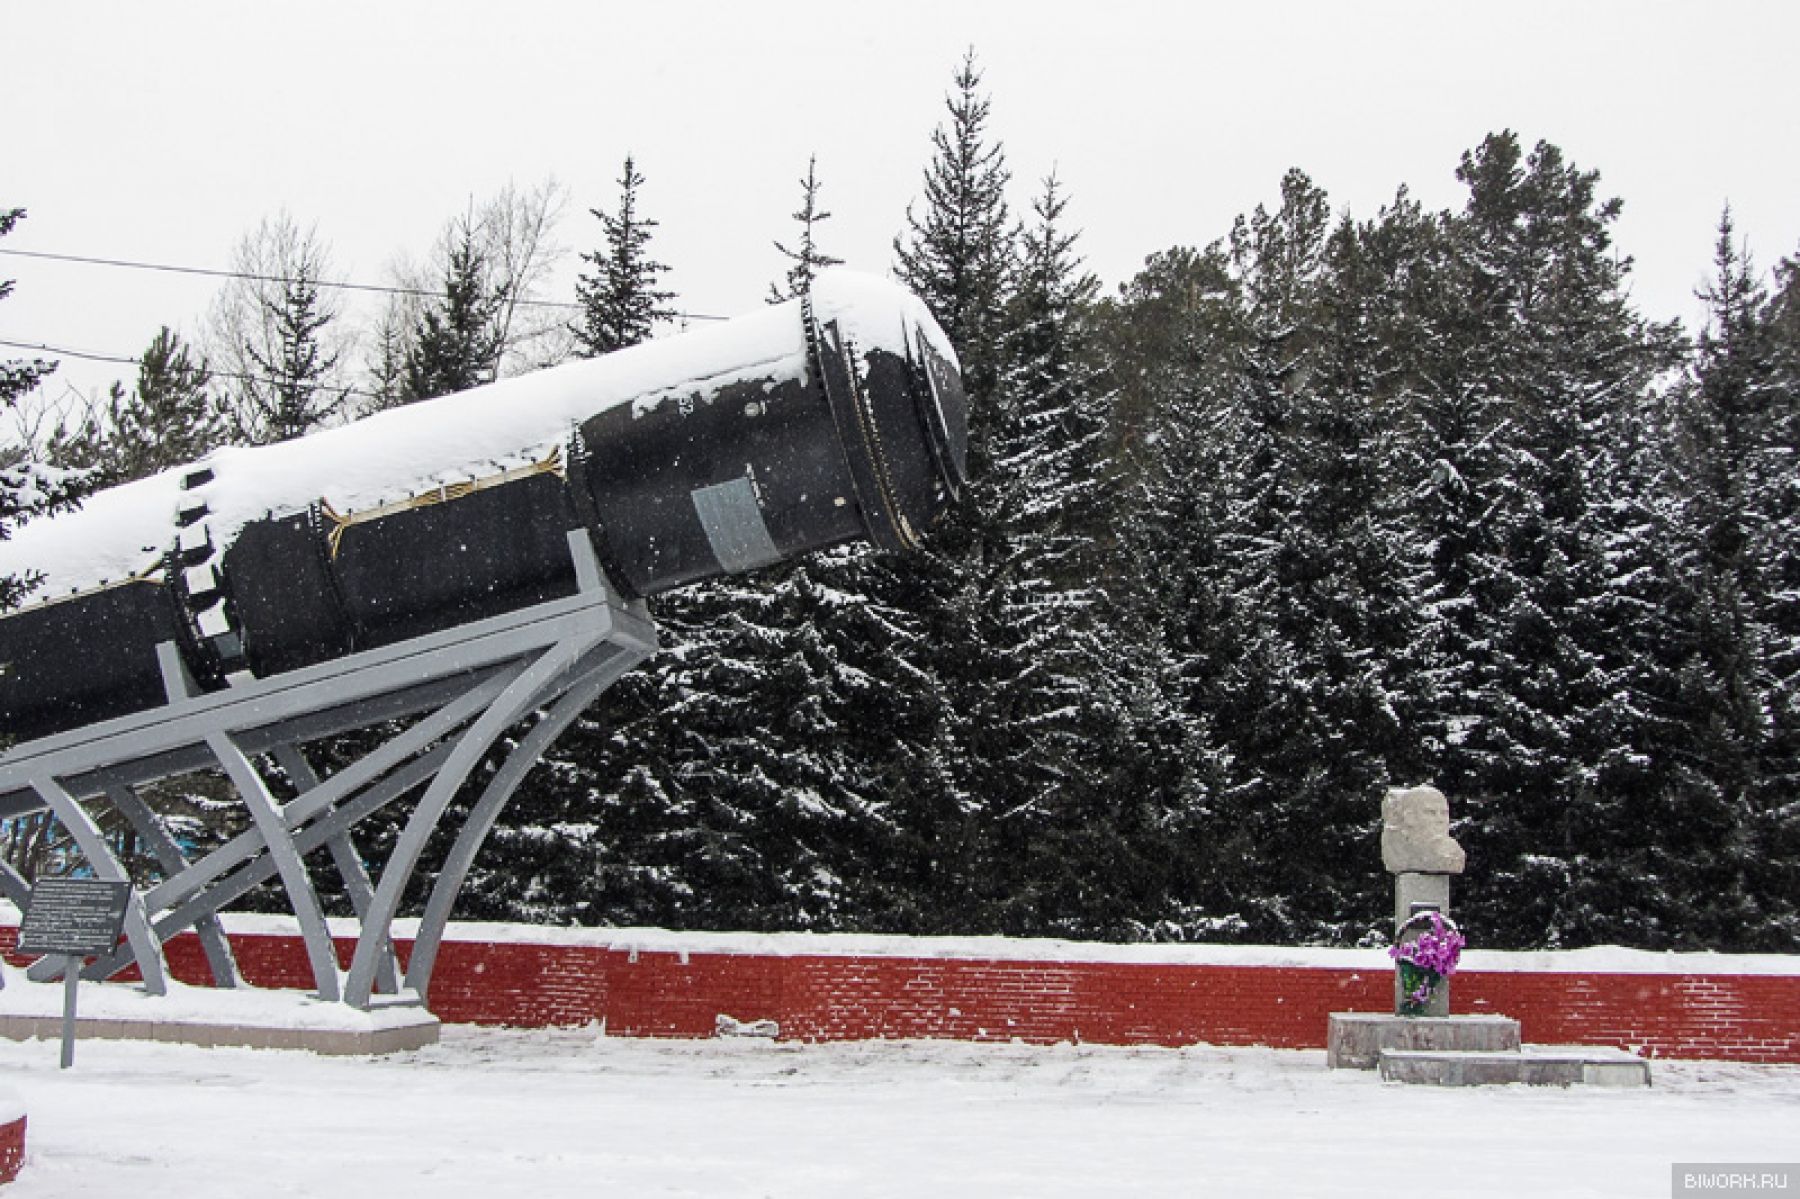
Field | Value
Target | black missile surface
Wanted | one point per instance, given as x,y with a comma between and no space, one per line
835,417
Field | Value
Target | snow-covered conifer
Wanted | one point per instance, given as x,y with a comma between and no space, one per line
621,300
27,488
457,342
275,338
806,257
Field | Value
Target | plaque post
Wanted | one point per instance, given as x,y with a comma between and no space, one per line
71,986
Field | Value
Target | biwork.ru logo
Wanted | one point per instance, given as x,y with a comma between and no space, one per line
1735,1178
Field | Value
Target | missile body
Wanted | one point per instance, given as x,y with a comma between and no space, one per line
836,417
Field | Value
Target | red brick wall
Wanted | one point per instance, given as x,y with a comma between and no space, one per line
1735,1017
831,997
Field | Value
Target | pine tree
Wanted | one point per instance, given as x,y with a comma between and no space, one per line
175,416
808,260
621,301
456,344
1158,338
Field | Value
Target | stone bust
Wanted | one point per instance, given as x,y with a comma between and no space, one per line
1415,833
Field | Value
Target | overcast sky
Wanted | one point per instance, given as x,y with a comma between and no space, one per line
164,131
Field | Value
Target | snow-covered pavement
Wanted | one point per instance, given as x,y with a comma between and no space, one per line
490,1113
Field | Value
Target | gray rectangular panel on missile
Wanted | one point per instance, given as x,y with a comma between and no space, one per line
734,525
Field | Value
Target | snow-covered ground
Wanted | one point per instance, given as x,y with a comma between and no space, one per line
493,1113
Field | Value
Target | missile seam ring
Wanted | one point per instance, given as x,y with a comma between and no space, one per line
865,417
815,347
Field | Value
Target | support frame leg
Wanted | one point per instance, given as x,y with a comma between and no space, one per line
494,797
321,954
168,854
145,948
349,863
525,693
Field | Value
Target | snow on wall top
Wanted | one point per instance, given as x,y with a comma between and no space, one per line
389,456
1597,959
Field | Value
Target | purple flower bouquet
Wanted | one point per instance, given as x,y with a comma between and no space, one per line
1427,960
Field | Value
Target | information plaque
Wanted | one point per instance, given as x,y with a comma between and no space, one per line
79,917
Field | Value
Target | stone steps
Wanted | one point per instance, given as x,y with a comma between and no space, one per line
1532,1065
1355,1040
1466,1051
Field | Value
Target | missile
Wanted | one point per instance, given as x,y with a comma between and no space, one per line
836,417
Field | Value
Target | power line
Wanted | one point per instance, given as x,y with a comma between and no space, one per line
62,353
212,273
93,356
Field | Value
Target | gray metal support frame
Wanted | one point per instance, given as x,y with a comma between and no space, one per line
480,821
173,861
273,832
344,859
462,690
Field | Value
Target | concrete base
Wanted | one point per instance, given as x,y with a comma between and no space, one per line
1534,1065
394,1035
1355,1040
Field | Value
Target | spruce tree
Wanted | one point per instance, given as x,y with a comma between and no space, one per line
1720,728
1304,680
456,343
170,416
296,399
621,302
1166,335
807,258
17,377
1726,419
1048,728
275,339
1775,870
390,345
955,254
614,830
1544,358
27,488
789,759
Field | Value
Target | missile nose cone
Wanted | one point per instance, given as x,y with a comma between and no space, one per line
895,389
